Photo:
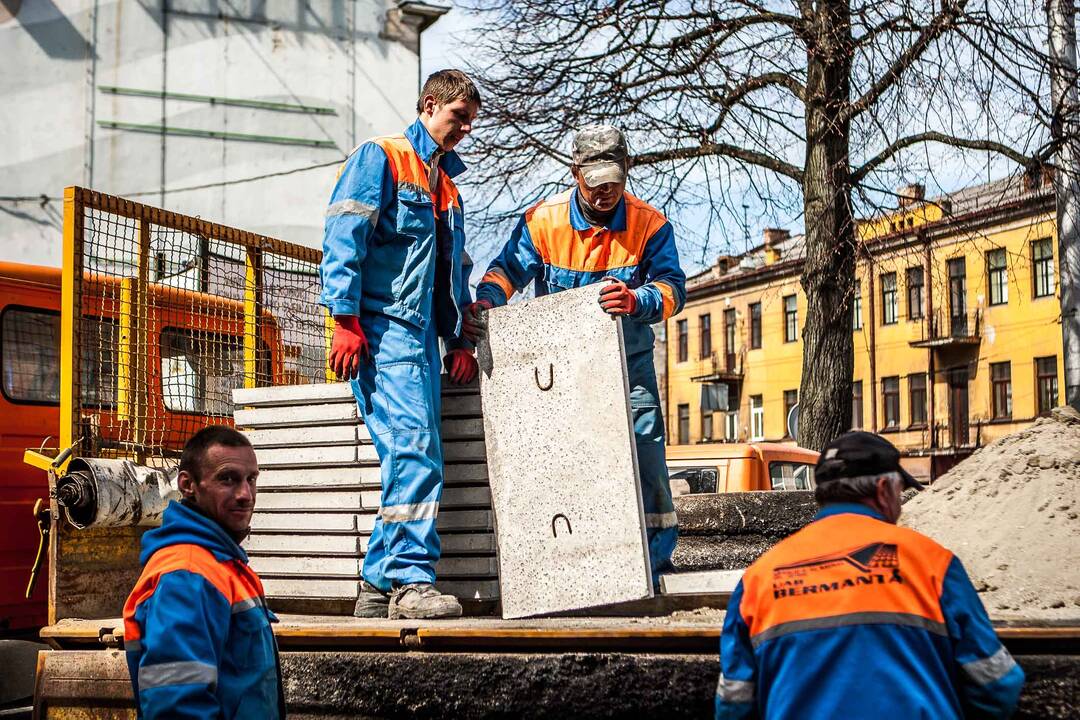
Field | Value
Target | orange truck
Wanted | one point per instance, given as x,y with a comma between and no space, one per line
196,336
739,467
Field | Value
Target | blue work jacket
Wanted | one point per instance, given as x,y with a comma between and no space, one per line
854,617
555,247
392,245
197,629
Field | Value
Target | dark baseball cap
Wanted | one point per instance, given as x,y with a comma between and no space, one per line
600,151
858,453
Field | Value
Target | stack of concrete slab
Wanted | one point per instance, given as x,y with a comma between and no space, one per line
319,490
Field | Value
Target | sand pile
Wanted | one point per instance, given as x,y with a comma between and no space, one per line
1011,513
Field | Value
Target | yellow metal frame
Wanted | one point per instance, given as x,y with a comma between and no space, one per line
71,310
253,286
132,390
328,323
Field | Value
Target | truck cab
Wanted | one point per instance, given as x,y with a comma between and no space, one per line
739,467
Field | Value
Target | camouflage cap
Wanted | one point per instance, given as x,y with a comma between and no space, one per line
600,151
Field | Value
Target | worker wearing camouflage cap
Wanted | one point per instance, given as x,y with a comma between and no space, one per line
597,232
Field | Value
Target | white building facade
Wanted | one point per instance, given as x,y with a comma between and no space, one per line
238,111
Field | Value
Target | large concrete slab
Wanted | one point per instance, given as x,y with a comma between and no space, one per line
561,457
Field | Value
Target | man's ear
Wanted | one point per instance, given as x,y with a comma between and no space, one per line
575,171
186,483
427,105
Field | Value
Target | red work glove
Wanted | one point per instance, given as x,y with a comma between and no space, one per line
349,347
617,298
461,366
473,325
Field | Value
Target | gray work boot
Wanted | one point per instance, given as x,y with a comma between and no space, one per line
372,602
421,601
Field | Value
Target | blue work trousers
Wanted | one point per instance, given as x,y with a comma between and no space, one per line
661,525
399,397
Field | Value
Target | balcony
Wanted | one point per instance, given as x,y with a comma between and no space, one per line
723,367
945,330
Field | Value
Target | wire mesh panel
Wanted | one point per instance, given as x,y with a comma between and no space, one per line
175,313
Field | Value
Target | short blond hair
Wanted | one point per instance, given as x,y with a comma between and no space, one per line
447,86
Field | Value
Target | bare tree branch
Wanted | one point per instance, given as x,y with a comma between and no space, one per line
937,137
711,149
942,23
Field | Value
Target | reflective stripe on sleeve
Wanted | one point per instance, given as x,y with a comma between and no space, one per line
859,618
354,207
184,672
241,605
132,646
991,669
406,513
661,520
735,691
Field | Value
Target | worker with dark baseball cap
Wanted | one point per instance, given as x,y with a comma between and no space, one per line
856,617
597,233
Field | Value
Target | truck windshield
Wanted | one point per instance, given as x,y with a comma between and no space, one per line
700,480
791,476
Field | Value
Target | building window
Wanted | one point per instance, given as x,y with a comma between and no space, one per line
1001,389
791,399
706,426
731,426
1046,383
791,319
888,298
681,332
684,424
958,324
914,293
729,339
1042,267
856,405
755,326
998,283
757,418
917,399
706,335
890,401
856,307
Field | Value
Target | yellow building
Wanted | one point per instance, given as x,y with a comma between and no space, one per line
956,329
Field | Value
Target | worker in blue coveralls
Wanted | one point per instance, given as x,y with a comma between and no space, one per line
599,233
395,278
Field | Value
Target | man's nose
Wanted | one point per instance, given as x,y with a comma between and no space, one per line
245,493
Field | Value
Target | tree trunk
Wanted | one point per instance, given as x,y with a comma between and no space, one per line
829,270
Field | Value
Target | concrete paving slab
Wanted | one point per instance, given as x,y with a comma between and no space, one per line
343,477
305,436
312,500
292,395
340,413
307,588
465,473
561,457
307,522
463,429
305,544
700,583
464,451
